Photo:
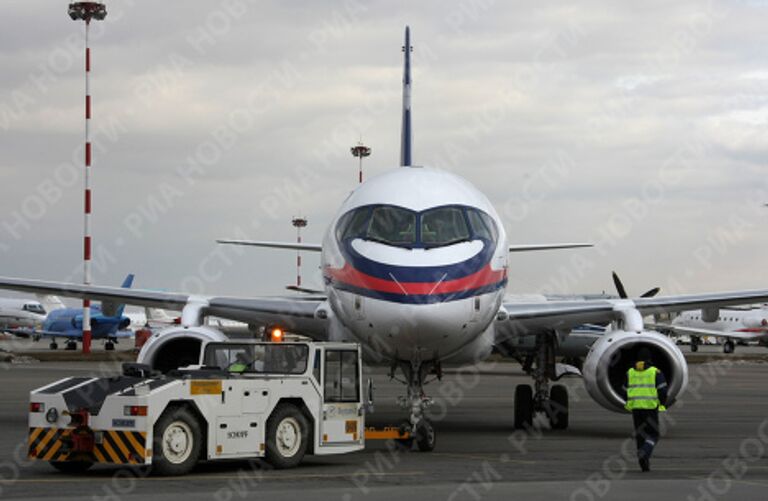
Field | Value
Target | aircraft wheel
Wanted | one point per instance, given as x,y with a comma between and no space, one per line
177,442
405,444
728,347
53,346
109,346
287,436
557,407
71,345
523,406
426,438
694,347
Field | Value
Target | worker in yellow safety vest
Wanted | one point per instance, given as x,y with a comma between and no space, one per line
646,395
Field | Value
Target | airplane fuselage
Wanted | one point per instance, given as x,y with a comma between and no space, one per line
415,267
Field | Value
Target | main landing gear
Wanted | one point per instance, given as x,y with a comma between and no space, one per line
553,402
421,429
729,346
695,341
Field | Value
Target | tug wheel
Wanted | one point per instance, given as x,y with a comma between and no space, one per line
177,442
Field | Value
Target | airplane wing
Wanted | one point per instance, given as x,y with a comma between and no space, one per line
537,247
273,245
36,334
522,318
698,331
298,313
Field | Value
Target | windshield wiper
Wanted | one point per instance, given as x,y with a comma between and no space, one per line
387,242
445,244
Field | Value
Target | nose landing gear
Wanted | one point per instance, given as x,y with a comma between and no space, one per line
421,429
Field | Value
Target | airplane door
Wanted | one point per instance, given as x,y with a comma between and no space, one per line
342,406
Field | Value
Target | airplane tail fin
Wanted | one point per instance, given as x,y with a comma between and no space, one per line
406,138
50,302
112,309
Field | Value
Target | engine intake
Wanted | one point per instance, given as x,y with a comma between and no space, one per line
615,353
176,347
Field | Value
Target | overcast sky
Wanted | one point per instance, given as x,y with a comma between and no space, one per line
640,126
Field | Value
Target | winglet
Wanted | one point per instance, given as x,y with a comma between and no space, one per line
406,138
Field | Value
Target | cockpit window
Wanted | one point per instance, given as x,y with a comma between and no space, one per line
392,225
355,224
443,226
401,227
34,308
482,225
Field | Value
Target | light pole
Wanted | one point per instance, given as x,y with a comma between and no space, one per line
298,223
86,11
360,151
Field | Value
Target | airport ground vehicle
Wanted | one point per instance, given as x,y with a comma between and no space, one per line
248,399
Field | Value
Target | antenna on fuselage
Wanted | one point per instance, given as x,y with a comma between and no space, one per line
406,139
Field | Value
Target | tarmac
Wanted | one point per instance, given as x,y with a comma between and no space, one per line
714,446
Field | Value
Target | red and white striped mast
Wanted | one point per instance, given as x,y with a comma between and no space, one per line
86,11
298,223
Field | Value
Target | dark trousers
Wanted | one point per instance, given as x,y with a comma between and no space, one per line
646,423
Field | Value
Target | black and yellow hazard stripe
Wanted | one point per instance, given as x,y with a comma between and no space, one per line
48,443
121,447
115,446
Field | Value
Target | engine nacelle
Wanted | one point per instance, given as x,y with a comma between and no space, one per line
177,346
610,358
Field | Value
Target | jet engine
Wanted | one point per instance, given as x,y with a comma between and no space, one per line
607,362
177,346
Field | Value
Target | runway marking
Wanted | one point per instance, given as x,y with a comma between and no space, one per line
192,477
504,458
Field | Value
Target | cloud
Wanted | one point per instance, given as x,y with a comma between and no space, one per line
561,113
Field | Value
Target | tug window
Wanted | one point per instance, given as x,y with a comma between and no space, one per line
341,376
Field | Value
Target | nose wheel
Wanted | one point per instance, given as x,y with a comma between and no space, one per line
422,430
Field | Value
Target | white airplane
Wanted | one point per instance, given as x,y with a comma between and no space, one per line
20,314
730,324
415,266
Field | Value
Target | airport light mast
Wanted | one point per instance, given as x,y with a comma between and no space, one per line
87,11
360,151
298,223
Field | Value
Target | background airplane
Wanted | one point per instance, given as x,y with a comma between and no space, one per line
67,323
19,314
729,324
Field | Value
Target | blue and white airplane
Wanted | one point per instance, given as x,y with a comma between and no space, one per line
67,323
416,266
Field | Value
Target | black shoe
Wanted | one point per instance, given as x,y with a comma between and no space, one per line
645,464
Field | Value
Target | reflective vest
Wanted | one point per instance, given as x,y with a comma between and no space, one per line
641,390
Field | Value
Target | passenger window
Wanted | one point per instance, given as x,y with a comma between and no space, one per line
341,376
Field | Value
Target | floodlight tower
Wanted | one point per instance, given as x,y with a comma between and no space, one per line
87,11
360,151
298,223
